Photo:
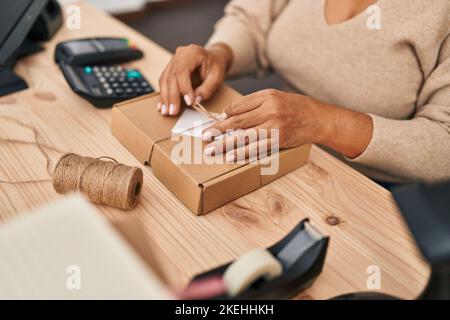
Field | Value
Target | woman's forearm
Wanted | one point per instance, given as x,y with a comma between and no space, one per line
299,119
346,131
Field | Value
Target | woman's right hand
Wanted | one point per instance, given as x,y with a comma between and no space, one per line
176,80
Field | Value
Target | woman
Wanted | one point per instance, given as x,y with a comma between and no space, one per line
379,96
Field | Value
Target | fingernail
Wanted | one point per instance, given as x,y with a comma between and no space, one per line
158,107
209,151
198,99
231,157
207,135
164,109
188,100
172,109
223,116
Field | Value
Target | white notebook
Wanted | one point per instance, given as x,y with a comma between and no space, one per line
68,250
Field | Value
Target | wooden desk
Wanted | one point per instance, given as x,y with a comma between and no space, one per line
371,230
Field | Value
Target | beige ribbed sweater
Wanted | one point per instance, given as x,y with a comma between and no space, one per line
400,74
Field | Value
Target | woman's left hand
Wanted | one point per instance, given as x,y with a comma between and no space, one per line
296,117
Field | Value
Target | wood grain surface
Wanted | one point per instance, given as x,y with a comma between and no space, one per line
360,217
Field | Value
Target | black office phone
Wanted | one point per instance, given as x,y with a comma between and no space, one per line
90,67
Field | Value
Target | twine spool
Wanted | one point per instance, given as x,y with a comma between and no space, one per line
104,182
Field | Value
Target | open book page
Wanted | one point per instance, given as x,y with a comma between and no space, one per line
68,250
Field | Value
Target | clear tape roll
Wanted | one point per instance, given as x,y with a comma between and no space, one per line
252,266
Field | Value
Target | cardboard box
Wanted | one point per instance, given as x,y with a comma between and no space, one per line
200,187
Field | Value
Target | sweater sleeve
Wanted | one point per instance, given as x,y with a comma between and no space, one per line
244,29
417,149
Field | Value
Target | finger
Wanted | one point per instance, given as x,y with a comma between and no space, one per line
241,121
237,139
253,151
209,85
229,142
185,85
163,92
173,97
244,104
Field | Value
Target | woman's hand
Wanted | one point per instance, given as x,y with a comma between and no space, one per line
176,80
297,119
294,115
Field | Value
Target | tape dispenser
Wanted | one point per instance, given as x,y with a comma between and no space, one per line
279,272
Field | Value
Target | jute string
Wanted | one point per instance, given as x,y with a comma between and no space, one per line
103,180
200,108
